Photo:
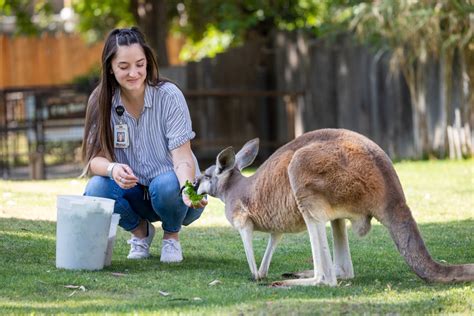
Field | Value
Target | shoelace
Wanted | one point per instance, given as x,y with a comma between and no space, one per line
170,246
138,244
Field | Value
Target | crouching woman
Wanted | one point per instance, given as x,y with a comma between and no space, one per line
137,146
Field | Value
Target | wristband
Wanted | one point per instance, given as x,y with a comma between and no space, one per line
110,168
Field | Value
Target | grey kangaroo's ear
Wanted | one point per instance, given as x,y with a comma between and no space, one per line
247,154
225,160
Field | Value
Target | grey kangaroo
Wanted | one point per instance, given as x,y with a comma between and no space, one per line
323,175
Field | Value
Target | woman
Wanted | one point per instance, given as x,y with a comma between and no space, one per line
137,146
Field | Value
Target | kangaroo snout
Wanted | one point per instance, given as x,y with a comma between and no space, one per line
197,184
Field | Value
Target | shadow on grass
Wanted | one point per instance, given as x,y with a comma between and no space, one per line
383,282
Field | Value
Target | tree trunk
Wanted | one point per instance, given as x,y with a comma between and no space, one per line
152,18
468,62
440,138
421,110
467,66
414,73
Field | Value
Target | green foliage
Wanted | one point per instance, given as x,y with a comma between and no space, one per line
213,42
414,29
97,18
212,26
22,8
240,17
191,193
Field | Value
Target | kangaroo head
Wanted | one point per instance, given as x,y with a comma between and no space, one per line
214,180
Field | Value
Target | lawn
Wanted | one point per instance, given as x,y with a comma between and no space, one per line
440,194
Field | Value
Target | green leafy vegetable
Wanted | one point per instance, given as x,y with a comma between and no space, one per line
190,191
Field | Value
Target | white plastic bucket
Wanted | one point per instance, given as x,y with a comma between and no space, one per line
111,240
82,230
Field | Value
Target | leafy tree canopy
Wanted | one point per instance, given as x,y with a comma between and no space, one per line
224,23
212,26
97,18
23,10
415,28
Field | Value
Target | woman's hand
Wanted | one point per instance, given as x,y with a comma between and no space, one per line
189,203
123,176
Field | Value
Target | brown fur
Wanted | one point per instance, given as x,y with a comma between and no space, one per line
326,175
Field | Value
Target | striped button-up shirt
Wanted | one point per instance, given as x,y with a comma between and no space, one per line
163,125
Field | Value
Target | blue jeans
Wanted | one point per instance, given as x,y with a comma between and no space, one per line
164,204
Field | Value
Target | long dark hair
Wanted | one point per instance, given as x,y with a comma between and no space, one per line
98,138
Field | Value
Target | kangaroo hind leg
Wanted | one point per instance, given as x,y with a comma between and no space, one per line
313,210
341,254
341,251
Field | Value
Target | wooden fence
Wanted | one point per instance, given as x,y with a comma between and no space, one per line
300,84
344,85
352,86
54,59
50,59
232,99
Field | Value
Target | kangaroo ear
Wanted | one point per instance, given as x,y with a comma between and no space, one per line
247,154
225,160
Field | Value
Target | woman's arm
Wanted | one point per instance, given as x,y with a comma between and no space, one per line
183,163
121,173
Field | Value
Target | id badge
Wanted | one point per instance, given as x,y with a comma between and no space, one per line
121,139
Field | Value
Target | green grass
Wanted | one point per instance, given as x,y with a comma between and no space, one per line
440,194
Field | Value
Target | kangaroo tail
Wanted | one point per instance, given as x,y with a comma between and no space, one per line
407,238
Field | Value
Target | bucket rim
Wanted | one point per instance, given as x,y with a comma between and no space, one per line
84,197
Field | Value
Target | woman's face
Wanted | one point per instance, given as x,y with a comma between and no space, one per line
129,67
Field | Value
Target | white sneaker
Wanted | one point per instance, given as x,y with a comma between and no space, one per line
171,251
140,247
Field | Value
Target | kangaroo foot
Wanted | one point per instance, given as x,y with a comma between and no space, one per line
344,274
299,275
302,282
